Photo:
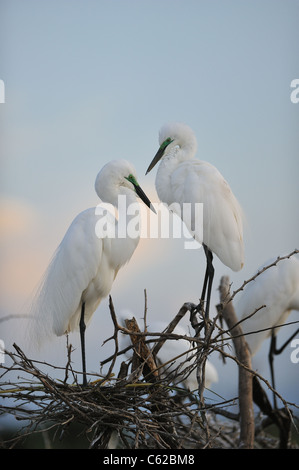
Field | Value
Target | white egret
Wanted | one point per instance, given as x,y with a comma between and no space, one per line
176,355
181,178
278,289
87,261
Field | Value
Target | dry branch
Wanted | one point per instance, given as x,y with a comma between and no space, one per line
142,414
141,350
149,412
245,377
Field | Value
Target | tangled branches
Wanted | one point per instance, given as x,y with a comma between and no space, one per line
147,406
140,414
143,409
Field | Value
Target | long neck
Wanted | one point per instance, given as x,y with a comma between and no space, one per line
128,215
127,228
170,161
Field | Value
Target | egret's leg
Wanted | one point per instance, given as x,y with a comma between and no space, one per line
82,336
274,351
200,307
279,351
208,281
205,282
270,357
204,287
210,272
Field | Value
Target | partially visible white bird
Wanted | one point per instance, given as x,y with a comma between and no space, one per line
175,366
181,179
87,260
278,289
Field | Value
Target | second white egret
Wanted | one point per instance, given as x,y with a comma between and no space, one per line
181,178
277,289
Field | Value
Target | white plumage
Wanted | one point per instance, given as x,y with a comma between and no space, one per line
85,264
278,289
181,178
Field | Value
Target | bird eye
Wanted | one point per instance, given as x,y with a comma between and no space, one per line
132,179
166,142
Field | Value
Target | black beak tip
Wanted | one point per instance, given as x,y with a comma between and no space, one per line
152,208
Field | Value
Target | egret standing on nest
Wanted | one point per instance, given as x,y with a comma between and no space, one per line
277,289
181,178
86,262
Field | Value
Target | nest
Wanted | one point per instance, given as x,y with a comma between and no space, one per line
144,407
136,414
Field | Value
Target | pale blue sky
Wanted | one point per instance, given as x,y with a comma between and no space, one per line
90,81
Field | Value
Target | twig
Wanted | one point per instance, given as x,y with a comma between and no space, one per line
270,265
183,310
